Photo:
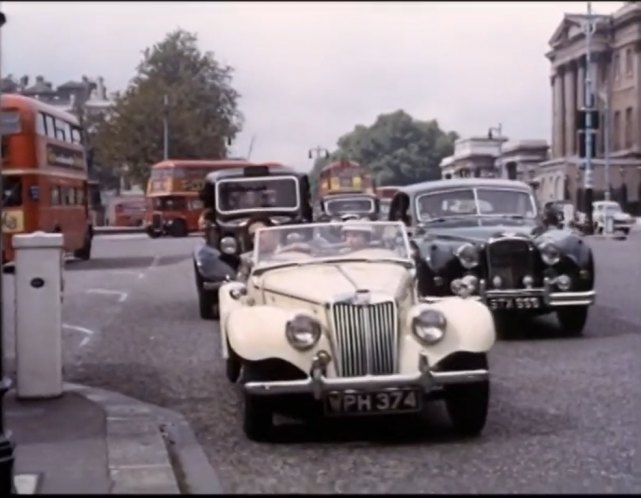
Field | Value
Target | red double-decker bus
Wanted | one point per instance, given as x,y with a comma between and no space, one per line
45,176
345,177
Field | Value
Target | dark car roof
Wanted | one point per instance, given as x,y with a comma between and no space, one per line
240,172
463,182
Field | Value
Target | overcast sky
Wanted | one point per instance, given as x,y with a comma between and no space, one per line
310,71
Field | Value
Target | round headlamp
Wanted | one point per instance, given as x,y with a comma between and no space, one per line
550,254
429,326
228,245
468,255
302,332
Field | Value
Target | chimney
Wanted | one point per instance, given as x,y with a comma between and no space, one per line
85,80
39,79
24,82
101,91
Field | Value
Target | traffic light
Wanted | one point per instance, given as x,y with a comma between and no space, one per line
581,119
582,148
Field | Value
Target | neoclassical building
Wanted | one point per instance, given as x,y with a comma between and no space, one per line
616,70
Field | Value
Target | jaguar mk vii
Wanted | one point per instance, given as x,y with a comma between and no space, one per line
485,238
323,328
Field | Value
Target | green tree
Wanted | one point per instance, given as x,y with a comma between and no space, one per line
202,109
397,149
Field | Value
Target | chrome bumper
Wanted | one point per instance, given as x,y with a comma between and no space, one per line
550,297
318,384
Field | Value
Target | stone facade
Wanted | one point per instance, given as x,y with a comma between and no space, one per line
495,157
616,80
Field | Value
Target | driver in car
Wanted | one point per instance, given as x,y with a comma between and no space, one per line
357,234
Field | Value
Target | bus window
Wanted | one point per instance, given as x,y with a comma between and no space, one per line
12,196
51,126
10,123
41,125
80,196
55,196
169,203
75,135
63,133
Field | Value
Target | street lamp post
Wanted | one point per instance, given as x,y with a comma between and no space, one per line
165,122
589,28
498,165
6,445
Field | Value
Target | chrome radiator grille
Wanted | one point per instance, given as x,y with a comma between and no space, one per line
511,260
365,338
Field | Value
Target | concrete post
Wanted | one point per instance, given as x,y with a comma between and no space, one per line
38,281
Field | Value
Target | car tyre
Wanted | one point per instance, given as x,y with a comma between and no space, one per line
258,416
232,365
467,404
178,228
153,234
207,301
573,319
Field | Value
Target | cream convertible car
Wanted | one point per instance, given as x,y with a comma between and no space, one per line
328,322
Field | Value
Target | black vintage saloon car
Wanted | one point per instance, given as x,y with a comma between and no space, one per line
237,201
347,205
485,238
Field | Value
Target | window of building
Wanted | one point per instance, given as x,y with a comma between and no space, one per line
616,145
628,128
629,62
617,66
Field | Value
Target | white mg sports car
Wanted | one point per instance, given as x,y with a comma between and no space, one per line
328,323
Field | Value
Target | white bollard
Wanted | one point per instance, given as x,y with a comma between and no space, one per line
38,281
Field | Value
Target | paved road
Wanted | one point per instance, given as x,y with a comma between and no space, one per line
564,412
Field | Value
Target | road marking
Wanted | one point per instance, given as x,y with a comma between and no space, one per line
26,484
122,295
139,274
88,333
154,263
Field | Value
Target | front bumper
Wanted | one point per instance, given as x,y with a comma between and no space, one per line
551,298
318,384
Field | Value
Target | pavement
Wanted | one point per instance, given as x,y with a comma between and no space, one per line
563,414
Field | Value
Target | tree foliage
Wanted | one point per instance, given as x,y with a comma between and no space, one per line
397,149
202,109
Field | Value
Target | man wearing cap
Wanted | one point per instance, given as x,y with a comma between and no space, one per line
358,234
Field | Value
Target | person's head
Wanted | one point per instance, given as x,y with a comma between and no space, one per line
357,234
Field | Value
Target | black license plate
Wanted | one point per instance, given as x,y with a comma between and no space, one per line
514,303
397,401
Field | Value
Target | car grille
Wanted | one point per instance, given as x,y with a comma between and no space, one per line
366,338
511,260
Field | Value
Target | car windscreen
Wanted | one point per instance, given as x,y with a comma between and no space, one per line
349,205
259,194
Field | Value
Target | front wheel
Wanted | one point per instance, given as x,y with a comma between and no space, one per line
208,305
467,404
572,319
258,416
153,234
179,229
84,253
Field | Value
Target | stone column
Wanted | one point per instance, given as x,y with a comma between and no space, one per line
580,84
554,140
570,109
558,114
636,137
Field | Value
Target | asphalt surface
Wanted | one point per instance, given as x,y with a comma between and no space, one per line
564,417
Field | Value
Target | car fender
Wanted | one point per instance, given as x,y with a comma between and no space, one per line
212,265
470,328
227,304
258,333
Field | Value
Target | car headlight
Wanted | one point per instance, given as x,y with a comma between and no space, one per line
429,326
468,255
228,245
303,332
550,254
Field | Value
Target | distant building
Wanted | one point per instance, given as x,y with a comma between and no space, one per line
489,157
88,94
616,66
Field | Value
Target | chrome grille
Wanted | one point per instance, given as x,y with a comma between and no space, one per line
510,259
365,338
